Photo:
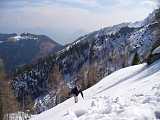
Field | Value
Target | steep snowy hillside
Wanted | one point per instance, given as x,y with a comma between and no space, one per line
131,93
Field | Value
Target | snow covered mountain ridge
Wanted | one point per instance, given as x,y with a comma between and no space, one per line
88,60
24,37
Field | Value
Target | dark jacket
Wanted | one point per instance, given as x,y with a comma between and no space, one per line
76,92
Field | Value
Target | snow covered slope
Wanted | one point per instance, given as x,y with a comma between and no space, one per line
132,93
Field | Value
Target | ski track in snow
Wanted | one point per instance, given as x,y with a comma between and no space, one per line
131,93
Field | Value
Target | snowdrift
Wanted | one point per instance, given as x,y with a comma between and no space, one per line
131,93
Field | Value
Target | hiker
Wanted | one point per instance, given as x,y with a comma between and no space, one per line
75,92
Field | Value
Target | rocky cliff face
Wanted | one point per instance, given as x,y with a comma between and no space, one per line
18,50
155,53
87,60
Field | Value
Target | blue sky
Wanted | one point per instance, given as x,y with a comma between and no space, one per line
65,20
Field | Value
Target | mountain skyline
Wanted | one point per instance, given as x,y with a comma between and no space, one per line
66,20
38,74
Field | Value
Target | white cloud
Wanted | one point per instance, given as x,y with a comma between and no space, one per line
150,3
158,2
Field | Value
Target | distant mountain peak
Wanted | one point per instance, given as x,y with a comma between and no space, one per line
24,48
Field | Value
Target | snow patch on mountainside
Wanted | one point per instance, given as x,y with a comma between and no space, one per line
1,42
137,24
17,37
127,94
24,37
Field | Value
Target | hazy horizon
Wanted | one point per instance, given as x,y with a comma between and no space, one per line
66,20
